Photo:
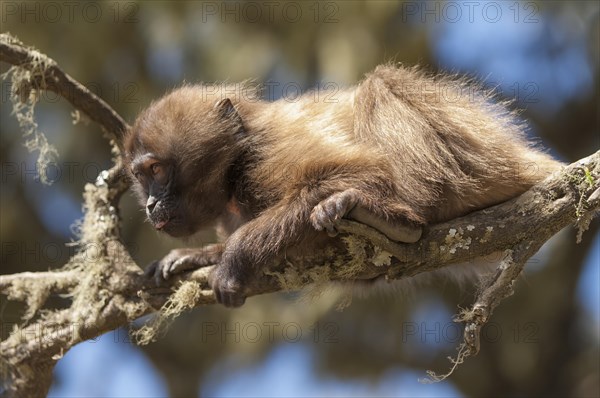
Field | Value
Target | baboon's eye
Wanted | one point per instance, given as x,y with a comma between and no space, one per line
158,172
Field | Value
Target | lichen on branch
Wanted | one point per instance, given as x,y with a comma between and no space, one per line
25,88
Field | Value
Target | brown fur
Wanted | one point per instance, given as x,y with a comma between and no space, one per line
408,148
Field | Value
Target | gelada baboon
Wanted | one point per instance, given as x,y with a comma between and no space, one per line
398,151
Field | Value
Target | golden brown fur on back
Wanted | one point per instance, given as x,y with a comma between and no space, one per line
400,149
445,147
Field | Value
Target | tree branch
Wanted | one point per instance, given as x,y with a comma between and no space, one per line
47,75
111,291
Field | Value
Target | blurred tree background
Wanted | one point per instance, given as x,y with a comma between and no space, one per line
543,341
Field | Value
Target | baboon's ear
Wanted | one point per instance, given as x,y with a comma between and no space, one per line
226,110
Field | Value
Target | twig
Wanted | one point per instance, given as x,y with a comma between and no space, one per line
55,79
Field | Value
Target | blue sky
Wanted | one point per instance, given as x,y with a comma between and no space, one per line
110,367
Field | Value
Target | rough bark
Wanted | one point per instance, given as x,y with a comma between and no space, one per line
110,291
